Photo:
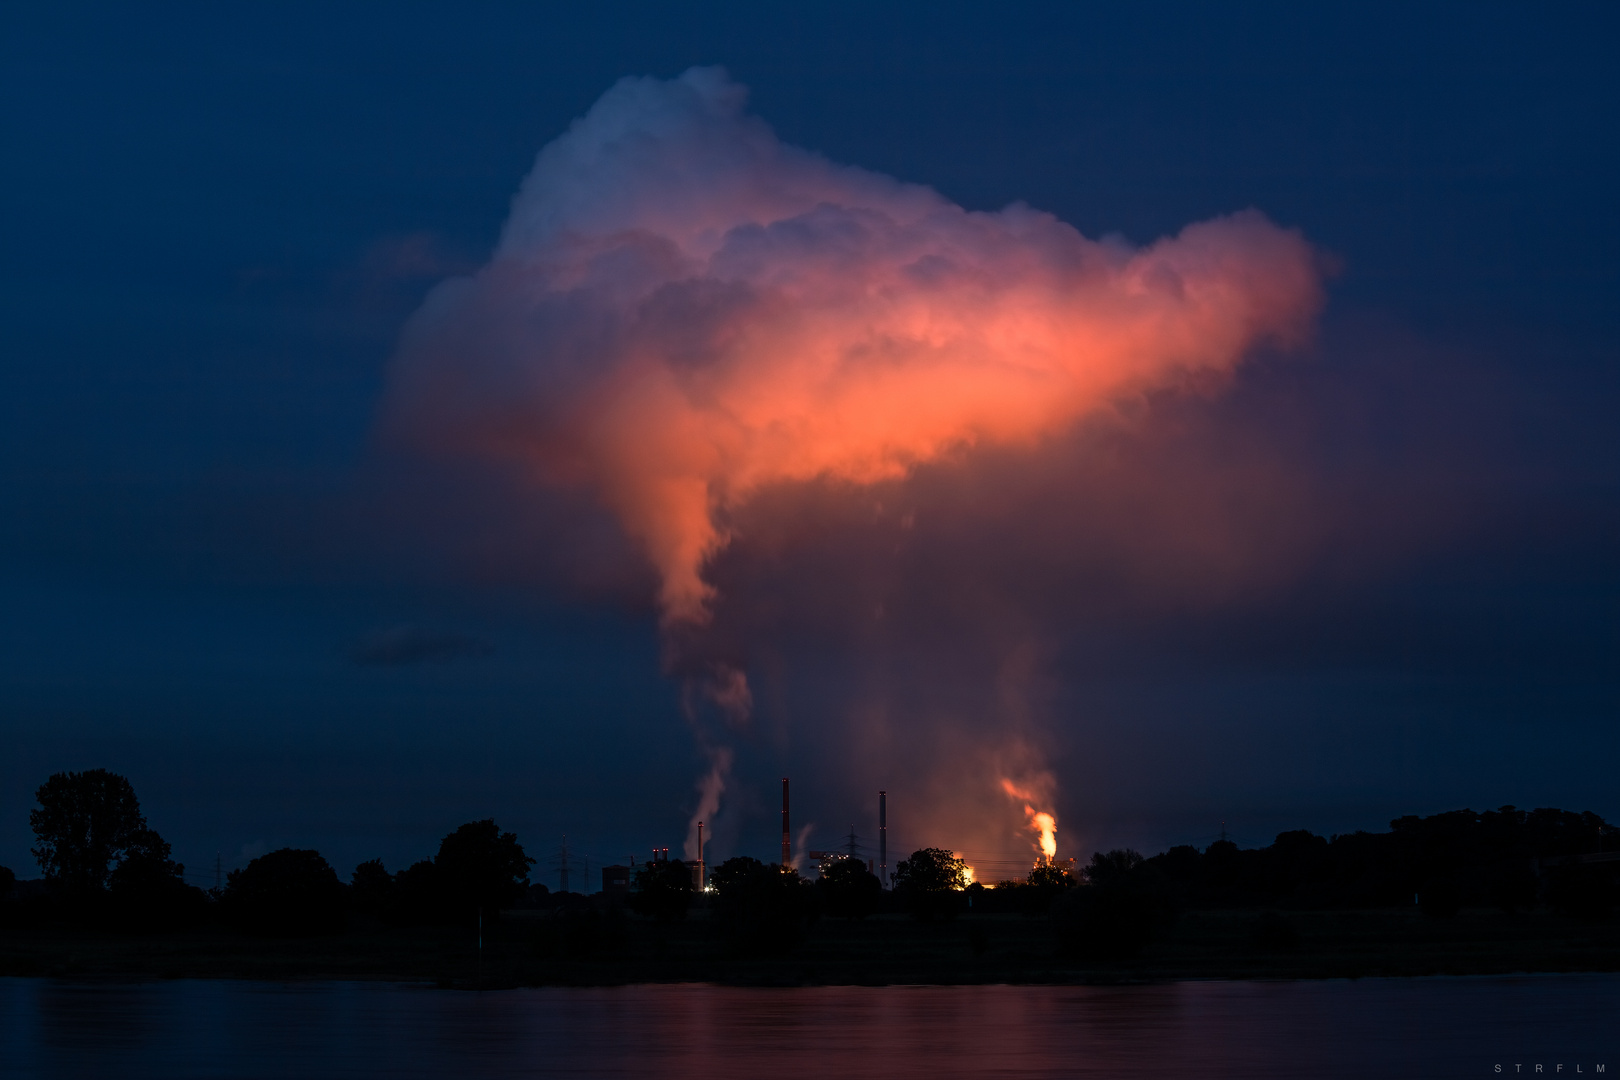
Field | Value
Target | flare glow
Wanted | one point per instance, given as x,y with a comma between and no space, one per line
1043,824
967,871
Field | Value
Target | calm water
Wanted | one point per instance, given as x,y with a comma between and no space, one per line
1369,1028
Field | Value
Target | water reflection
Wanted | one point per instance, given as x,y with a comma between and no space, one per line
1383,1028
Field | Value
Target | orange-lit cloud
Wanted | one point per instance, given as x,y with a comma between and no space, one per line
683,312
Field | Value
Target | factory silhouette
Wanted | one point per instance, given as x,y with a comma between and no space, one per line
617,878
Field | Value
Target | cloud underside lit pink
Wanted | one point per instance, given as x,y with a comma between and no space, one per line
683,311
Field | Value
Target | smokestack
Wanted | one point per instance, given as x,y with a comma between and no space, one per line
787,844
701,882
883,838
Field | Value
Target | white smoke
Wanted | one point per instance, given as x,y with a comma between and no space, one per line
710,788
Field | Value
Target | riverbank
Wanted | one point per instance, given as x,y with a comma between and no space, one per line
536,949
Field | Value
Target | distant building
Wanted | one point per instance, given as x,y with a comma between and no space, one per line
616,882
826,860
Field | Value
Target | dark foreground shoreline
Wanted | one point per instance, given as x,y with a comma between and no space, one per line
534,949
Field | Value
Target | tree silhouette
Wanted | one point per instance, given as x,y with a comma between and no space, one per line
371,890
146,865
285,893
419,894
1043,876
1113,916
849,890
482,868
931,882
148,890
662,891
1116,866
1452,860
1036,894
932,870
733,877
763,908
85,823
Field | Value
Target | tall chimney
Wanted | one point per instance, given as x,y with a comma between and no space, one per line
883,838
787,844
701,882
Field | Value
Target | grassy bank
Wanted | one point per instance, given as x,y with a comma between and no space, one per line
531,948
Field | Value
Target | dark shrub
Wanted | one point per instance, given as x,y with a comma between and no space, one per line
535,898
662,891
8,883
148,892
848,890
763,909
1002,898
1118,912
285,893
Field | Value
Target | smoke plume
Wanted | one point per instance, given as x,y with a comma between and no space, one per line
684,315
682,310
710,788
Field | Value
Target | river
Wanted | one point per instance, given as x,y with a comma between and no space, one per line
1440,1027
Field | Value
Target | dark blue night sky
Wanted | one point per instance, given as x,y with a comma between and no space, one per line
221,577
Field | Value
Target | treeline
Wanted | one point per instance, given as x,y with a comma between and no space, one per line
478,871
103,865
1510,859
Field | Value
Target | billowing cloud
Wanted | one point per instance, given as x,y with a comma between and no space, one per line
682,312
719,337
